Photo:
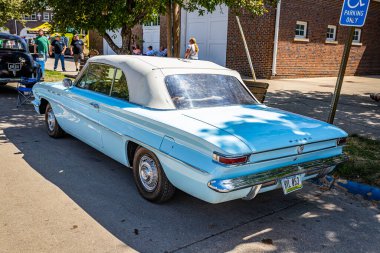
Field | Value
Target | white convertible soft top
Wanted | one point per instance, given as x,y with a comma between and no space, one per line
145,75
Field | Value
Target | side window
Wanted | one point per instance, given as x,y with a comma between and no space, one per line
98,78
120,87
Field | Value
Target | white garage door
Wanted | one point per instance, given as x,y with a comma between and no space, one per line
210,31
151,37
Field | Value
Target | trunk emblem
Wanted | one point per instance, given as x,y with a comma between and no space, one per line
300,149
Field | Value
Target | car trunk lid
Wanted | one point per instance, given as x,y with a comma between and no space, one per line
268,130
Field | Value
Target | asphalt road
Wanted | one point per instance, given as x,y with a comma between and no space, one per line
60,195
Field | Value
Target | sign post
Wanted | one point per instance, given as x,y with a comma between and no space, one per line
354,13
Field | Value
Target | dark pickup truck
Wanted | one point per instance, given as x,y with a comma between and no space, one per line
16,62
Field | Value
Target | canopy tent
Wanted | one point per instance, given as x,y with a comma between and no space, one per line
46,27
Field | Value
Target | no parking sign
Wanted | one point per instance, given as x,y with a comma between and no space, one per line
354,12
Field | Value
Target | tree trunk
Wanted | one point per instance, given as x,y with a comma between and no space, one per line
176,30
126,37
169,28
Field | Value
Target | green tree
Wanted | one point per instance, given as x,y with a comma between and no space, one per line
104,15
256,7
14,9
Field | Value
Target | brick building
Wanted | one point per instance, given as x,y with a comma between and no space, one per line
310,41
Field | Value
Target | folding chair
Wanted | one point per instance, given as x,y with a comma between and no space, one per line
24,90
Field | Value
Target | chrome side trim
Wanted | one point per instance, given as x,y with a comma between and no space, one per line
232,184
151,148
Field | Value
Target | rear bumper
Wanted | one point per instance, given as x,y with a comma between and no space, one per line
319,167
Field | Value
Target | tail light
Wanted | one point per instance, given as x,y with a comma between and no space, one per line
341,141
230,159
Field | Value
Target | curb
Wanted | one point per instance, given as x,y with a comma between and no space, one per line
367,191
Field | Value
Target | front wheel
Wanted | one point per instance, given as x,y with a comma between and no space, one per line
54,130
150,178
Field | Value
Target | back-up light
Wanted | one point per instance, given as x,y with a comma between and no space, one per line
230,159
341,141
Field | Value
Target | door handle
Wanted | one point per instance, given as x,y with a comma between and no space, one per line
95,105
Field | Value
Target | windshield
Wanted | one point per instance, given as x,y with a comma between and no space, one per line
11,44
206,90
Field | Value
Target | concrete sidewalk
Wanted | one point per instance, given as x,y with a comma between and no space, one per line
69,65
356,113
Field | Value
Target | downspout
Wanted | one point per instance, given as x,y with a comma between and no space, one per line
276,31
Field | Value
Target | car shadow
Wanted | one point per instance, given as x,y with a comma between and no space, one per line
105,190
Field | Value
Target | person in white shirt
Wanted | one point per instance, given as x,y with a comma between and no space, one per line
192,50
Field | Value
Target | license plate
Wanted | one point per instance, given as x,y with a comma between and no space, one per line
291,184
14,66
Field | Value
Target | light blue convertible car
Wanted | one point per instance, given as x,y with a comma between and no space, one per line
191,125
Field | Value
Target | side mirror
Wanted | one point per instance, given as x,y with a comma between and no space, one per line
67,82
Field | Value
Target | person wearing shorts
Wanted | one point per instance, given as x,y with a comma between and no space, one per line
76,49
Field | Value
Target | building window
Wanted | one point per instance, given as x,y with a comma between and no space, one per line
33,16
301,29
357,35
26,17
46,16
51,16
331,33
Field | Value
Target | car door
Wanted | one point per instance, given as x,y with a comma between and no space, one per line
86,96
115,119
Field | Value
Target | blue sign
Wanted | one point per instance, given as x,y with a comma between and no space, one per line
354,12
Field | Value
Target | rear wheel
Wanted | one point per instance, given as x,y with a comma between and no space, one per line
53,128
150,178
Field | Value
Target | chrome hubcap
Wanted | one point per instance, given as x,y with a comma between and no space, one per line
148,173
51,120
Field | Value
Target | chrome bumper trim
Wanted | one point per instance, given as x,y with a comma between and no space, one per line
10,79
320,166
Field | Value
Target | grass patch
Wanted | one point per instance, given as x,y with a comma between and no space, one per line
364,163
53,76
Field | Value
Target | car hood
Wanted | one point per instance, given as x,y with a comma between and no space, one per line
263,128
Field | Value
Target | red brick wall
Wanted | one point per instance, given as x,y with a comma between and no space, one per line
316,58
259,33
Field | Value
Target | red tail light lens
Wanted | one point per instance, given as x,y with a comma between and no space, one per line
230,160
341,141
